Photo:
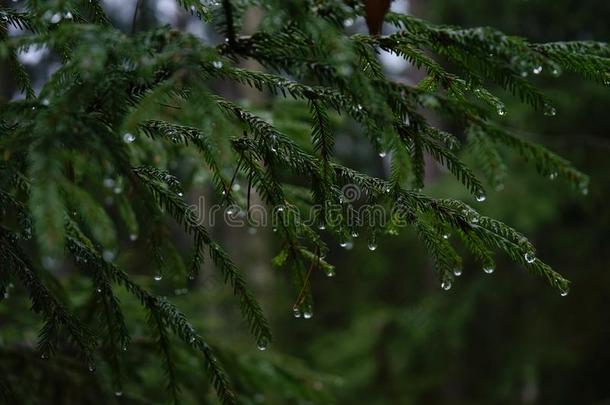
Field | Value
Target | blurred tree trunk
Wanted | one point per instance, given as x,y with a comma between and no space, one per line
7,86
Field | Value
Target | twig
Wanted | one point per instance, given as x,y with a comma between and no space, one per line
301,296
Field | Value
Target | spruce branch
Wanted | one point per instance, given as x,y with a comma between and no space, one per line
161,314
44,302
185,215
85,123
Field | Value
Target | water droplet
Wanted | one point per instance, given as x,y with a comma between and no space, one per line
501,110
133,237
180,194
457,272
330,272
128,137
262,344
553,176
181,291
382,154
108,255
217,64
322,227
481,196
280,209
92,367
537,70
99,290
488,269
471,216
108,182
296,312
564,292
192,339
446,285
55,18
549,110
354,234
372,246
446,236
307,314
556,72
158,277
118,393
530,257
44,356
50,263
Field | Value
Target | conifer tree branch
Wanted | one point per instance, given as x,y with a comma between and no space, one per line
121,107
185,215
43,302
162,313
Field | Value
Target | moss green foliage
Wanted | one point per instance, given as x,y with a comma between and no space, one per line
107,123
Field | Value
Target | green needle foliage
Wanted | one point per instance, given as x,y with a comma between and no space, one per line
120,107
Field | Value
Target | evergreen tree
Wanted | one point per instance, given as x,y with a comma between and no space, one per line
87,162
